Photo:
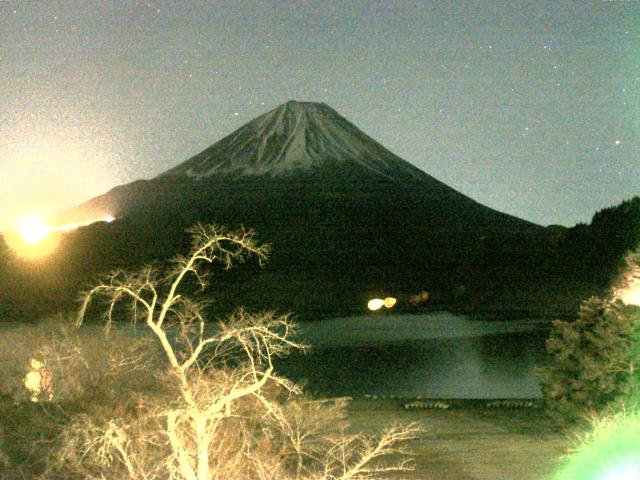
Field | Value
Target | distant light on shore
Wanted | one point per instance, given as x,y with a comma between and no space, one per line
377,303
419,298
390,302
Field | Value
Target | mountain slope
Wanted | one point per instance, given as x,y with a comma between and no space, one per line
345,216
298,146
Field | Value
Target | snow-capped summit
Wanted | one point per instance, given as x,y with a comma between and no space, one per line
292,137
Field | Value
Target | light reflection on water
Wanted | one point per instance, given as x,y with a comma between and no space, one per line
436,356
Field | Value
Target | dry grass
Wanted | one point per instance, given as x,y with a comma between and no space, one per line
471,443
83,363
92,374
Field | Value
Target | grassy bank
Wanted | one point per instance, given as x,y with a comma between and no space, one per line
470,443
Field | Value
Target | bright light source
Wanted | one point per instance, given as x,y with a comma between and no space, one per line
390,302
623,471
610,451
630,292
33,229
375,304
32,237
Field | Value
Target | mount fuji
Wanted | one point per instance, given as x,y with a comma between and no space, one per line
296,144
294,137
345,216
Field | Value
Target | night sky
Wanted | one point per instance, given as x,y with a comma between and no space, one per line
531,108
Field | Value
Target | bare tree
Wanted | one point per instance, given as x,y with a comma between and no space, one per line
233,416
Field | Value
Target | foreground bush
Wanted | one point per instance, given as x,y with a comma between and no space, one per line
90,372
594,359
218,410
84,363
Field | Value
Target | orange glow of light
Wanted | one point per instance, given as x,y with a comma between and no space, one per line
419,298
390,302
32,237
33,229
69,227
377,303
75,225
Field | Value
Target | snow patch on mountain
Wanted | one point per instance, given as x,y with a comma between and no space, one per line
292,137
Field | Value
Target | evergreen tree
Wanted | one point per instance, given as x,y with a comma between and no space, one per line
595,358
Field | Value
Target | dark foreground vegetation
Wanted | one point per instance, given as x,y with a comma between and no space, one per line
331,265
591,385
167,400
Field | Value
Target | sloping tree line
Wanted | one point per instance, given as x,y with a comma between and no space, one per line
599,248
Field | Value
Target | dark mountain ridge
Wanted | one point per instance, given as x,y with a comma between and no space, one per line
346,218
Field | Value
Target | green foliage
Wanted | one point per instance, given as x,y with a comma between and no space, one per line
593,360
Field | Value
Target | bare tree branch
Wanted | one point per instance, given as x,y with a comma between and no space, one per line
210,394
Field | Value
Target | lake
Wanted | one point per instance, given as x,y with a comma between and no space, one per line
436,355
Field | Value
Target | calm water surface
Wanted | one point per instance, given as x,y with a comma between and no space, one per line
436,355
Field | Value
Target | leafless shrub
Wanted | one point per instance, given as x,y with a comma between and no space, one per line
224,413
81,363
